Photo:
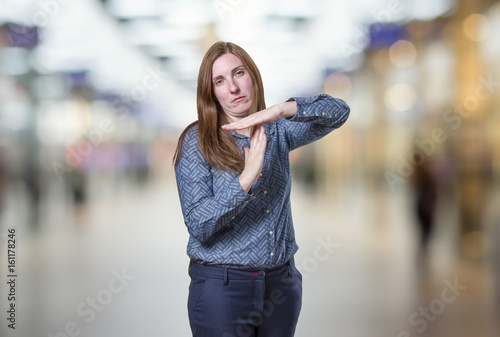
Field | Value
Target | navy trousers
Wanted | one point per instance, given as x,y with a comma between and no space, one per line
227,302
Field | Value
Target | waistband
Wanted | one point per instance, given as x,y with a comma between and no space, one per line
226,273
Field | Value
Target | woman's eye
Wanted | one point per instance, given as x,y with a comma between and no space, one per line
240,72
218,82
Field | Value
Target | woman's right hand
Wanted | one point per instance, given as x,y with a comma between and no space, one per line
254,158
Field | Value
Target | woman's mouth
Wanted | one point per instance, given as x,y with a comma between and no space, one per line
238,99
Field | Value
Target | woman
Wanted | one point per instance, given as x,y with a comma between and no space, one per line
234,183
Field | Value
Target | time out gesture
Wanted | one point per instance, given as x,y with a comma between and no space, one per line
269,115
254,156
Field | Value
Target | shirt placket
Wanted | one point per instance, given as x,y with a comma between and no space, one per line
269,224
263,189
267,208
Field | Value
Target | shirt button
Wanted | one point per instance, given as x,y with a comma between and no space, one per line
271,254
323,113
303,112
260,174
265,192
233,217
270,232
268,211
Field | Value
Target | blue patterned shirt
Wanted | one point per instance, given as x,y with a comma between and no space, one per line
230,227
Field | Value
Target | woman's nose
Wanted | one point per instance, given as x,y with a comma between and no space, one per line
233,87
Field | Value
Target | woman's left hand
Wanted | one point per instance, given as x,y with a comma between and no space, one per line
268,115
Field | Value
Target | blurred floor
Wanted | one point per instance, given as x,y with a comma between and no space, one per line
368,284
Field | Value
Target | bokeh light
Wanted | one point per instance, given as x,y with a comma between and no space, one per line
338,85
400,97
403,53
476,27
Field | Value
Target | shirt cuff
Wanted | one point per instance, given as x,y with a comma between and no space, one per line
306,108
241,197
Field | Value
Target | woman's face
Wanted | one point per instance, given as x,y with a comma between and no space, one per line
232,86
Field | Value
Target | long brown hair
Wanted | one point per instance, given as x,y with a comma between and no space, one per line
217,145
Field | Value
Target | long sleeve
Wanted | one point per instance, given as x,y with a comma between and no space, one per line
204,212
315,118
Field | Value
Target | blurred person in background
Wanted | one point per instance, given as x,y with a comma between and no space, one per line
233,177
425,187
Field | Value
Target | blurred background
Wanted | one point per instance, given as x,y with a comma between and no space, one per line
404,198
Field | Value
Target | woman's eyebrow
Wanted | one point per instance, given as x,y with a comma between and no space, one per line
232,71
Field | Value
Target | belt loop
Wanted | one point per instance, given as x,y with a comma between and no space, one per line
189,269
225,276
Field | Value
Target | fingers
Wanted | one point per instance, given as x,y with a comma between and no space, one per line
261,147
244,123
260,142
262,139
254,156
258,133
